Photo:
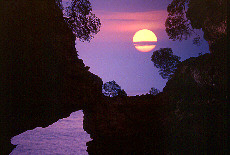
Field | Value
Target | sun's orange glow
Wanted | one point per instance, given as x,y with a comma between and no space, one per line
144,40
145,48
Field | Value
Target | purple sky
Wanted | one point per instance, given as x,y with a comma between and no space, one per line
111,54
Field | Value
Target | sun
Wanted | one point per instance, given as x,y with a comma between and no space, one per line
144,40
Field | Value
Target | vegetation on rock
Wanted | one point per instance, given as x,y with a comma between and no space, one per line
112,89
166,61
154,91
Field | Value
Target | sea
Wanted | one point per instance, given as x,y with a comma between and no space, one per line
64,137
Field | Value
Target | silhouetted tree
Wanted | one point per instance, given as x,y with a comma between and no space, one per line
81,20
154,91
112,89
166,61
186,15
177,26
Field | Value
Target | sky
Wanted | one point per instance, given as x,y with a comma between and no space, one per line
112,55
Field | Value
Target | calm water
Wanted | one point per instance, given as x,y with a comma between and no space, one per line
65,137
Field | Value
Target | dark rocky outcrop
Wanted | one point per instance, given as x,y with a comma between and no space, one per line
199,93
42,79
126,125
188,117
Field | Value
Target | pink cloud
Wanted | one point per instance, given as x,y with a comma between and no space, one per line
131,21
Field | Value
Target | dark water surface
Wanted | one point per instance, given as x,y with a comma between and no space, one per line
66,136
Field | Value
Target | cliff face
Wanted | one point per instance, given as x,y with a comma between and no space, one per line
198,92
126,125
42,79
188,117
203,75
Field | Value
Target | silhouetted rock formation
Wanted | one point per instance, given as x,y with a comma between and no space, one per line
125,125
188,117
42,79
199,93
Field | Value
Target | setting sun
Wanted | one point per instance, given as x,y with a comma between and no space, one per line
144,40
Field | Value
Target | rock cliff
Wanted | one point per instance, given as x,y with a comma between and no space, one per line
42,78
188,117
198,92
126,125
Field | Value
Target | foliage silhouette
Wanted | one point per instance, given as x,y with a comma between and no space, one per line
154,91
112,89
80,19
177,26
186,15
166,61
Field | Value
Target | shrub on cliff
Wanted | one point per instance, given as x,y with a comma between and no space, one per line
154,91
112,89
81,20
